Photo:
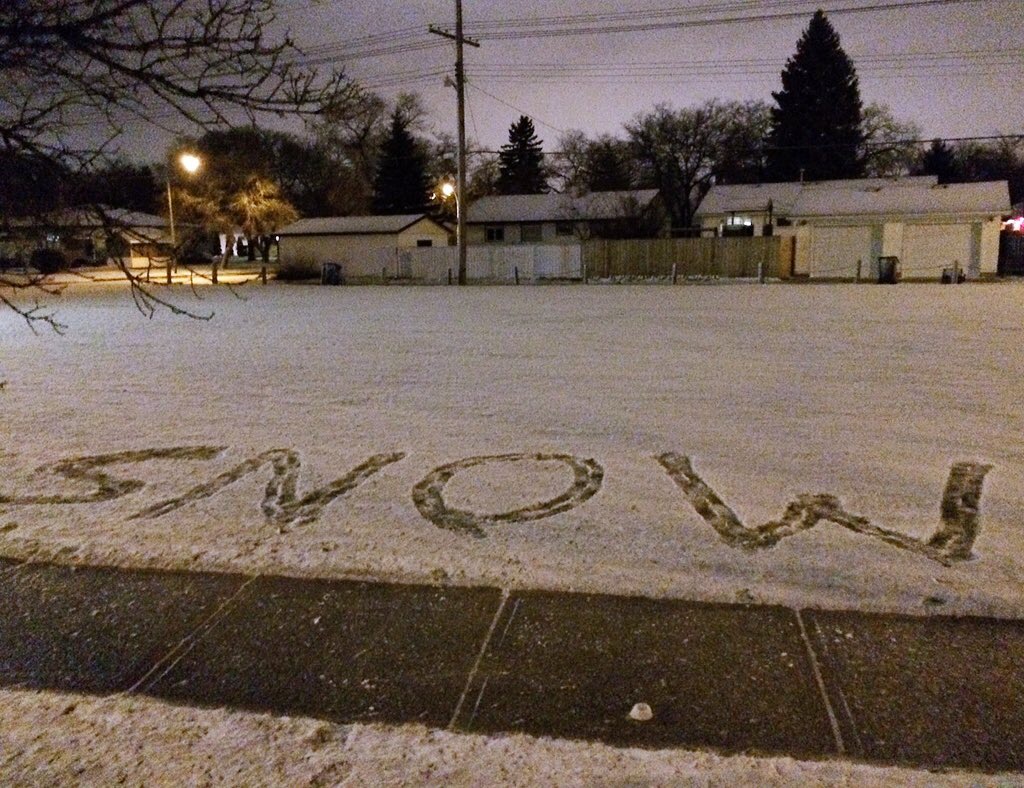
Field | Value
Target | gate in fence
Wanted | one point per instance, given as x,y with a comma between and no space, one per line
1011,254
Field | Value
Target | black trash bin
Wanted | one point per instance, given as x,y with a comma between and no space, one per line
330,274
888,270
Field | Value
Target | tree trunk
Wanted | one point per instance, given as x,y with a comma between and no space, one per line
250,248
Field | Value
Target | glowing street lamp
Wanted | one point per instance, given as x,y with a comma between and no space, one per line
448,189
190,163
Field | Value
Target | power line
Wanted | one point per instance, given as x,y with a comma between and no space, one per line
546,30
412,39
517,109
887,144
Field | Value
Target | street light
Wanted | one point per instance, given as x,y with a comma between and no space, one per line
190,163
448,189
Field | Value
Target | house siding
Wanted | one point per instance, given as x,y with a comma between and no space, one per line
360,253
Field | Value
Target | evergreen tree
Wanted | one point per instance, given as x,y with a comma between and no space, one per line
816,125
522,161
609,169
402,184
940,160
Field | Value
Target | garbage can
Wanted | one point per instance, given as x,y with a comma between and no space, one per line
330,274
888,270
953,276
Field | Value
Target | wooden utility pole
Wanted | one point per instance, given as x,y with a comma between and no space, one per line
460,89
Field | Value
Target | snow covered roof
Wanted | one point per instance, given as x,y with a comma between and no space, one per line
93,216
560,207
354,225
921,195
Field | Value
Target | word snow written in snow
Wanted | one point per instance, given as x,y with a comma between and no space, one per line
285,508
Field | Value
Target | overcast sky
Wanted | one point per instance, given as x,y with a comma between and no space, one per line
956,69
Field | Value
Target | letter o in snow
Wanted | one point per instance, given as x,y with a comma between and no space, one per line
428,497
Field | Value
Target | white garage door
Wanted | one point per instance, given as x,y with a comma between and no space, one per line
928,248
836,250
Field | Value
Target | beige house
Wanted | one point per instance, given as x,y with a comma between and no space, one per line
358,243
842,228
564,219
97,235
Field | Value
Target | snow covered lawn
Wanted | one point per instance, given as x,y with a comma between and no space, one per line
581,399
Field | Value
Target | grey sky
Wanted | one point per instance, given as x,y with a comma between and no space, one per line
958,71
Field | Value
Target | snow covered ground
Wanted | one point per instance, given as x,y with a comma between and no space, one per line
56,739
869,394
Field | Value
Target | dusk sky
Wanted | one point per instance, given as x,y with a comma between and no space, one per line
955,68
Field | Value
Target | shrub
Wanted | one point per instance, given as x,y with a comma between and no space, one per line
295,269
49,261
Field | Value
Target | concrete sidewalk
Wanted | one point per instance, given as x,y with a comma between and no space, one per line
923,691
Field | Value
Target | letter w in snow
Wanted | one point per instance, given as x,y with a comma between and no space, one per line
951,542
281,504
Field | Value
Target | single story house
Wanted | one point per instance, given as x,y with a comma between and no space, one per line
95,235
357,242
843,227
562,218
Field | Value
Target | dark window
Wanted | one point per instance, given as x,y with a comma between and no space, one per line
424,242
532,233
563,229
494,235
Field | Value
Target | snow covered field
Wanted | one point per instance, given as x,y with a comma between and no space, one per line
868,394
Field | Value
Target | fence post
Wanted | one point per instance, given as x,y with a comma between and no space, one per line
516,270
263,274
674,275
859,263
168,270
586,274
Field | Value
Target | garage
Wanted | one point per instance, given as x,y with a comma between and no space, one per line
835,251
928,225
928,248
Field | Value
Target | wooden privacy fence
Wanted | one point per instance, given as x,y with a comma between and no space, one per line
602,259
717,257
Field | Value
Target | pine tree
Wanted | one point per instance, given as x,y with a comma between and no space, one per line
940,160
522,161
609,168
816,127
401,185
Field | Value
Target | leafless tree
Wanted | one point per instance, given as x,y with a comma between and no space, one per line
75,73
889,149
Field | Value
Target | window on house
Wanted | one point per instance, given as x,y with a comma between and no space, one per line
424,242
532,233
737,226
494,235
563,229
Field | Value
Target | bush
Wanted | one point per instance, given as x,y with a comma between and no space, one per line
49,261
295,269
